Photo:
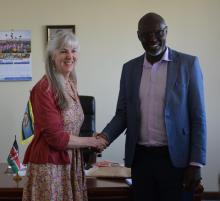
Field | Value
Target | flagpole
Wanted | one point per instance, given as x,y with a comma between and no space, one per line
17,177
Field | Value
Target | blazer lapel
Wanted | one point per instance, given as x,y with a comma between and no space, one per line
137,73
172,70
137,76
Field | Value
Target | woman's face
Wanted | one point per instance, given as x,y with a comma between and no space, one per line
65,60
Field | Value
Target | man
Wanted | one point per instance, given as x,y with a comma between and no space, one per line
161,107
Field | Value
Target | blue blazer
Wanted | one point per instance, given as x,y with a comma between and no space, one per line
184,111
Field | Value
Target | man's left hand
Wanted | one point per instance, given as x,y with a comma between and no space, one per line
192,178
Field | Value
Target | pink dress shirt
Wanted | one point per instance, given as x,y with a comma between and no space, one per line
152,97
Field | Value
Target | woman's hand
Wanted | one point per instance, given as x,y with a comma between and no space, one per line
98,143
87,142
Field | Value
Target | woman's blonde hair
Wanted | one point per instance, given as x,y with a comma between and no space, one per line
62,39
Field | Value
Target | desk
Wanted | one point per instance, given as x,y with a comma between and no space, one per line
98,189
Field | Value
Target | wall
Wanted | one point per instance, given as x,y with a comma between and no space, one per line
107,33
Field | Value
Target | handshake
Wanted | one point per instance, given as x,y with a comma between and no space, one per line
98,142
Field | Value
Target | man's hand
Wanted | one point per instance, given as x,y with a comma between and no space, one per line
191,178
103,139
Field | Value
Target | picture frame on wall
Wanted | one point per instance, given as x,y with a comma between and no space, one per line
53,29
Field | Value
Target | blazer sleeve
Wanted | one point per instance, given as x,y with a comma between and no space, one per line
48,118
197,114
118,123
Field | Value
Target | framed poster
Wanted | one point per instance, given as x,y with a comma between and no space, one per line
15,55
53,29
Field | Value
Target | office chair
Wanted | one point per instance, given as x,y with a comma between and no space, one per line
88,127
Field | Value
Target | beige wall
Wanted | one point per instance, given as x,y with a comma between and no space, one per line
107,33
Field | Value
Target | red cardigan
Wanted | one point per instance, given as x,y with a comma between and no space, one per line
49,144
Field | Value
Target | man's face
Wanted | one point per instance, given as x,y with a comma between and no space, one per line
153,37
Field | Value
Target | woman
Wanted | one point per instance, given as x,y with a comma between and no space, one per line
54,158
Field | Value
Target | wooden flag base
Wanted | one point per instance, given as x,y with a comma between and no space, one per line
17,178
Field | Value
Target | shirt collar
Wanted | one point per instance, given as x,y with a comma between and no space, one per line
165,57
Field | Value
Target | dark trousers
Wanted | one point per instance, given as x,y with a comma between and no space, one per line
154,178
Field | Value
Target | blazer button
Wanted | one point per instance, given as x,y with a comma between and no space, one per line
167,114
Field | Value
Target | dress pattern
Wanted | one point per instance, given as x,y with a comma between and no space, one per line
50,182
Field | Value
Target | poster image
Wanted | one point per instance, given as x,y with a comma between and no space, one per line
15,56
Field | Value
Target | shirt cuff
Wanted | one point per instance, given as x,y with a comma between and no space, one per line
196,164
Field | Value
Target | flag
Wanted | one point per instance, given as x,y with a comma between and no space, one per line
27,131
13,157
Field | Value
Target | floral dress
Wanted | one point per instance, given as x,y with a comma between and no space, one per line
50,182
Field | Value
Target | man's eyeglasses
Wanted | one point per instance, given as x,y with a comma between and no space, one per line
160,33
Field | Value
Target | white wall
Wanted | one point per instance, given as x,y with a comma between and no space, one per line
107,33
